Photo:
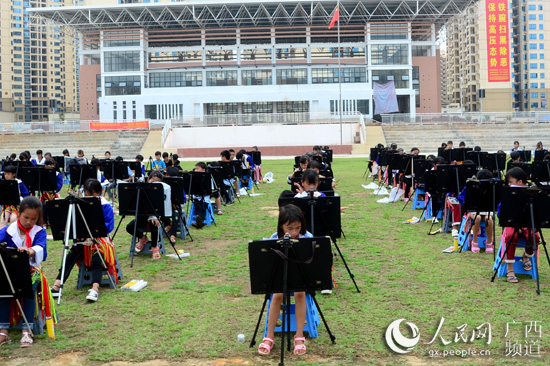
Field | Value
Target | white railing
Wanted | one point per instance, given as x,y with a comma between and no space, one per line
46,126
165,131
263,118
474,117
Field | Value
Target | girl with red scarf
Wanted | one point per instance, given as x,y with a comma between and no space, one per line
26,236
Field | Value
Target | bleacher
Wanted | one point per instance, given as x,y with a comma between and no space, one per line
125,143
490,136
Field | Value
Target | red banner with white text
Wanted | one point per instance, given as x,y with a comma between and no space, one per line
118,125
498,43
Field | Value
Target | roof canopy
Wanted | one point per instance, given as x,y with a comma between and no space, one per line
238,14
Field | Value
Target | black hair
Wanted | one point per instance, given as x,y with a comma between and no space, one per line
231,150
13,156
430,157
287,193
31,203
314,164
226,154
443,144
289,214
393,145
119,158
539,144
450,142
27,152
517,174
23,156
65,151
165,155
516,142
95,162
39,152
48,153
92,186
415,149
304,159
50,162
461,143
242,151
484,174
10,169
172,172
107,152
514,155
477,148
175,157
239,155
379,146
310,176
439,160
255,147
139,157
80,152
155,174
158,153
468,162
201,165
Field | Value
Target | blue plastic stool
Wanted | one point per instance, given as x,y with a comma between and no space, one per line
518,264
312,318
85,275
419,203
428,212
481,238
208,220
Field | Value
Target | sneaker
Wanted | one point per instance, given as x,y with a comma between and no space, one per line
326,292
92,295
55,293
454,233
200,222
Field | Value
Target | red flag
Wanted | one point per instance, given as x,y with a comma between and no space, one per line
335,18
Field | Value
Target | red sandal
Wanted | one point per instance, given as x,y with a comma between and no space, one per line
156,252
299,349
265,348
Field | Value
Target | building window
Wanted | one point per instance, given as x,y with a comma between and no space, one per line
221,108
421,50
399,77
328,76
121,38
291,53
122,85
389,31
175,79
114,111
534,95
256,54
533,46
151,111
534,104
291,76
293,107
533,56
332,52
363,106
257,107
534,85
121,61
390,54
221,78
256,77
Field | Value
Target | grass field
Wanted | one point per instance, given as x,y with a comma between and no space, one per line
192,310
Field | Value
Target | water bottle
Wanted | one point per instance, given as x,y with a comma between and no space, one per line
240,338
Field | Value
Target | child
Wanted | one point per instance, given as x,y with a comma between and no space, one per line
293,222
257,169
158,164
175,162
485,216
139,158
100,177
226,189
39,160
107,155
51,195
142,221
201,202
27,235
81,159
248,165
302,165
88,251
516,177
310,182
167,160
10,213
516,147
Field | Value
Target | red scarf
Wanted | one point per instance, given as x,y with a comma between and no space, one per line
28,240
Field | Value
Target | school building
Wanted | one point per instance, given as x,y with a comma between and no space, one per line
206,58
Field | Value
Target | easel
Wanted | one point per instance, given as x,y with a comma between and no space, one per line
88,223
525,207
176,197
228,173
331,225
477,199
130,193
409,168
297,274
200,184
79,174
16,265
39,179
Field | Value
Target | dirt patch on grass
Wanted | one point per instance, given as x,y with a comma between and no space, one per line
206,247
272,211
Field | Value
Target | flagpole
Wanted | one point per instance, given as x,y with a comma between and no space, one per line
339,72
